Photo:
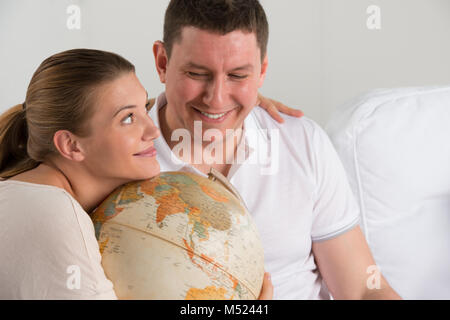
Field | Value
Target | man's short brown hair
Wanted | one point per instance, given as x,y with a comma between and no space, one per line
221,16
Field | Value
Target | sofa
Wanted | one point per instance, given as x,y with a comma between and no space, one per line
395,147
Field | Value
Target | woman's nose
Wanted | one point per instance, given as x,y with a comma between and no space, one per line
151,131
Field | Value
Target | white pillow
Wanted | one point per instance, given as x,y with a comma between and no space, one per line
395,147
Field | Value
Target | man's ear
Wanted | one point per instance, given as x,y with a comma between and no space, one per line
161,60
68,145
262,76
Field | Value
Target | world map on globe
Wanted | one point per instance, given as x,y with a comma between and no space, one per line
179,236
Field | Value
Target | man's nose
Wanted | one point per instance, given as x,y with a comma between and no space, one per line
216,94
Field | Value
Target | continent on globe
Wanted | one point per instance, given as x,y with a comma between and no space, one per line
179,236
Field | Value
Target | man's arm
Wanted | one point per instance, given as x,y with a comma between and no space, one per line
343,262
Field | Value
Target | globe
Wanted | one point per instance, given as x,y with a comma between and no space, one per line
179,236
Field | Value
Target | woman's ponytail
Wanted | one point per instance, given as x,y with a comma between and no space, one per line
14,158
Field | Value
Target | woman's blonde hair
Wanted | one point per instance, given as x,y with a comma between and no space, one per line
60,96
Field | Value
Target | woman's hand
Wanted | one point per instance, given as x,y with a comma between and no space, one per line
267,288
273,108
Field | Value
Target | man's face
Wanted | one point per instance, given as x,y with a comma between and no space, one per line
211,78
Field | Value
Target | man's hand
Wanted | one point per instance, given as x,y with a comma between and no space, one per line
273,108
267,288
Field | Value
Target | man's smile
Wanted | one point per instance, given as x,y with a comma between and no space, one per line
213,117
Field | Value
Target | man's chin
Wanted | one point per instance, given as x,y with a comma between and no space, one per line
214,134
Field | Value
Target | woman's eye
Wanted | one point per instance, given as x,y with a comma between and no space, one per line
128,119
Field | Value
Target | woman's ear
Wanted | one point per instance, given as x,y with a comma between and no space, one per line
161,60
68,145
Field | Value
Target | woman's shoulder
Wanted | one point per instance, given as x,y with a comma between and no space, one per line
36,199
51,232
18,187
47,214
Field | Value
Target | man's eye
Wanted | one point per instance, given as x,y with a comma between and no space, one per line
197,75
238,76
128,119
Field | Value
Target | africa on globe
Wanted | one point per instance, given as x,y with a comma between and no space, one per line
179,236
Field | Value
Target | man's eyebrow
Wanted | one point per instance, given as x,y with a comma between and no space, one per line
244,67
198,66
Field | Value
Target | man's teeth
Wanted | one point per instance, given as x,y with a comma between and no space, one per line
213,116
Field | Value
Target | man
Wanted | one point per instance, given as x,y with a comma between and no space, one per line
212,62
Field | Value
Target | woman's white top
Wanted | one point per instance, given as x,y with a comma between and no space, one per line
48,248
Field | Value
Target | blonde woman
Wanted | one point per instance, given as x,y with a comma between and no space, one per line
82,132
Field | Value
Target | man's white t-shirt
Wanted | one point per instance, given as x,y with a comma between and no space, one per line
296,190
48,247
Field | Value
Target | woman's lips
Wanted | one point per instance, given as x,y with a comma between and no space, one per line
150,152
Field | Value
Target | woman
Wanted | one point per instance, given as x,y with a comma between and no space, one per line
82,132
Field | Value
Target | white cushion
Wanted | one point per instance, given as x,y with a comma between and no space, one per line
395,147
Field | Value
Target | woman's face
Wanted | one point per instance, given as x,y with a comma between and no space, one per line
120,144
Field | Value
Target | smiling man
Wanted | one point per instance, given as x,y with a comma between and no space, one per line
213,79
212,62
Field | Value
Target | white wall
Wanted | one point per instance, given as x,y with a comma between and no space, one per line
321,52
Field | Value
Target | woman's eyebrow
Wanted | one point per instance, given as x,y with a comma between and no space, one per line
127,107
123,108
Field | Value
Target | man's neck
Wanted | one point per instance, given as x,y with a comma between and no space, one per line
222,163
